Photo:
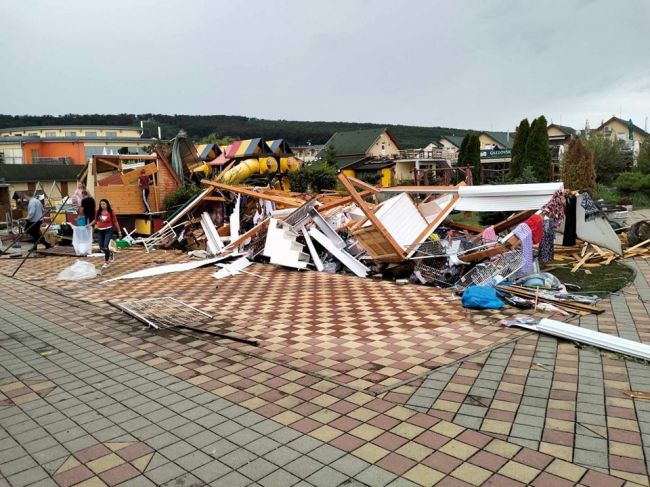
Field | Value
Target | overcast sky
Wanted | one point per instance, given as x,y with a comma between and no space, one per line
467,64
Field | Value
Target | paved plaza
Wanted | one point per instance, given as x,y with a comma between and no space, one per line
355,382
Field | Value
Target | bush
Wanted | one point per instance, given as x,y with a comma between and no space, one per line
627,181
527,176
179,198
316,178
369,177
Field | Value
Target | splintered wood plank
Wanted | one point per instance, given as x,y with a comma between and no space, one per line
642,244
582,261
638,394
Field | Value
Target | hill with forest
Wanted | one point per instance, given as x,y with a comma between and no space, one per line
201,127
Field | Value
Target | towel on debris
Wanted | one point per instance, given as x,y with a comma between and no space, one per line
546,246
592,210
535,224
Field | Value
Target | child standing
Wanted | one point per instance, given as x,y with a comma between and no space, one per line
105,221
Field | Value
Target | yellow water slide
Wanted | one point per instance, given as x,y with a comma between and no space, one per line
263,165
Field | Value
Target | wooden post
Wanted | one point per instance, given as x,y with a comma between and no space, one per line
371,216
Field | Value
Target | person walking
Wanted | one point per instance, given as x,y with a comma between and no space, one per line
105,221
88,207
35,220
143,182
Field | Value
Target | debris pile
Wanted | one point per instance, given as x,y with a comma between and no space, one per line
403,233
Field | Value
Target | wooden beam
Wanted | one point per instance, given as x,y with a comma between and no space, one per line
291,202
363,185
436,221
463,226
214,198
109,163
513,220
342,201
232,246
132,176
371,215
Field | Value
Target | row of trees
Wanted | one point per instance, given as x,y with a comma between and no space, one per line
200,127
531,154
600,159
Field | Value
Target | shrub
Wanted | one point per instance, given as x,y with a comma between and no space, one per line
178,198
527,176
627,181
578,169
316,178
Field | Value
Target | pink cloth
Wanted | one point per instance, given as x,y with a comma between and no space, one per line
489,235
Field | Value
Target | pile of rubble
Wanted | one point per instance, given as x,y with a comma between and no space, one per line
403,232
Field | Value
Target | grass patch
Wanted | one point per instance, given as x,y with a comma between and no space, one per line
602,280
471,218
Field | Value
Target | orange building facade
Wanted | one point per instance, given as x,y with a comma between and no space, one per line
71,150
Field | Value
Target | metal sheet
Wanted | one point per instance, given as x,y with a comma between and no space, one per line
590,337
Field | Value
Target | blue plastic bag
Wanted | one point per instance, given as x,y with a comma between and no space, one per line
481,297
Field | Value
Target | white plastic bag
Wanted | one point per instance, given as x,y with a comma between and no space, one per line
78,271
82,239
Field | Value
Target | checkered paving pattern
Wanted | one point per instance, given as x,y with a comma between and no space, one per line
367,334
554,397
414,446
15,393
104,464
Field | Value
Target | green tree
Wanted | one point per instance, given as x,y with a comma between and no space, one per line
578,169
327,155
519,149
462,153
643,159
215,138
609,157
538,153
473,155
315,177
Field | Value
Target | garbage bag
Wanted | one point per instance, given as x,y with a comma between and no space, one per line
82,239
481,297
78,271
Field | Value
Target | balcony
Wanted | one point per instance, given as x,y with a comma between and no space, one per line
59,161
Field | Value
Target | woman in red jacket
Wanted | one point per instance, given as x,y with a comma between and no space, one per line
105,220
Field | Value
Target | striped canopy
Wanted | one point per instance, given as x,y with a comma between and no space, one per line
279,147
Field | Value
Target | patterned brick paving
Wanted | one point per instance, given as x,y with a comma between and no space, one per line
368,334
554,397
417,443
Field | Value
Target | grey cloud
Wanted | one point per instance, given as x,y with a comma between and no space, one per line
483,64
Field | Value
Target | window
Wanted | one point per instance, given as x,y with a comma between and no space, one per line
91,134
2,157
50,134
33,134
71,134
111,134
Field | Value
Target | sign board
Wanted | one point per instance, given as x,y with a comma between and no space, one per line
495,154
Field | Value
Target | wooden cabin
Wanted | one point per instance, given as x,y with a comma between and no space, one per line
115,178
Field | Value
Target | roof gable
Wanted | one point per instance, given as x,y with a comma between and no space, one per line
624,122
502,138
456,140
356,142
564,128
